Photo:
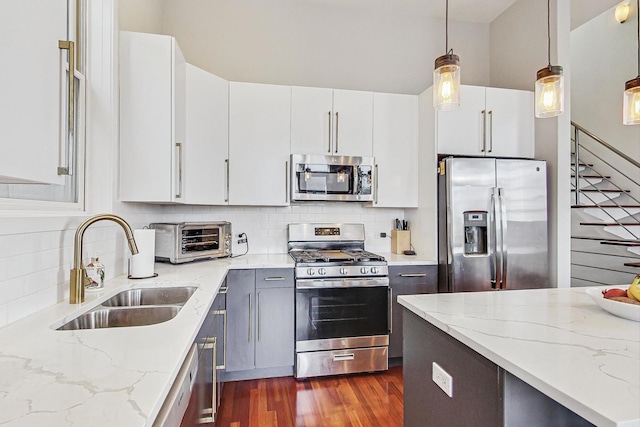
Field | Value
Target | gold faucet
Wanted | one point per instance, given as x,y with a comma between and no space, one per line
78,273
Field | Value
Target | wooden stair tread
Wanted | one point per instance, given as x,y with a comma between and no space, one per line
632,264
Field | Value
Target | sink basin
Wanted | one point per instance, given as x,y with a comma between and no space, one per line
151,296
123,316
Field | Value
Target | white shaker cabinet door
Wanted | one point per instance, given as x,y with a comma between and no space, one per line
259,144
462,131
510,123
152,118
33,111
352,123
207,118
395,148
311,120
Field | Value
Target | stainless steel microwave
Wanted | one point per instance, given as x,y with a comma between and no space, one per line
178,242
332,178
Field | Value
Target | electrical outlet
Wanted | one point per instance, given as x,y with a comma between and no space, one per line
242,241
442,379
383,234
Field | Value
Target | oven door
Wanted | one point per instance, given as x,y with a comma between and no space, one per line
341,317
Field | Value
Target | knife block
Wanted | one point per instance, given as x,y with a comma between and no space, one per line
400,241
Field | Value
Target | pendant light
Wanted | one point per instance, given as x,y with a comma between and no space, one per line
631,106
446,75
549,91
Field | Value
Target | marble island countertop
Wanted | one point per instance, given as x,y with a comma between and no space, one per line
111,376
556,340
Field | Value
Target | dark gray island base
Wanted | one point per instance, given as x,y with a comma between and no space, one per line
483,394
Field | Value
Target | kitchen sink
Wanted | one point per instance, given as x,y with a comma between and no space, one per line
151,296
122,317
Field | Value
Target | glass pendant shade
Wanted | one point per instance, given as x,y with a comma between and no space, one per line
549,92
631,107
446,83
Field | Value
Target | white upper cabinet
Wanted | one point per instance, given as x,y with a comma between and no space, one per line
331,121
33,112
206,171
490,122
152,118
395,147
259,144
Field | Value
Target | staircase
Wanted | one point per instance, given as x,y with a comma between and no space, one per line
605,215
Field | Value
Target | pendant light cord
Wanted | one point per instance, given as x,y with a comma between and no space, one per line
549,33
446,27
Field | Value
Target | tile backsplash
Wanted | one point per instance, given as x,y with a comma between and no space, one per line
34,267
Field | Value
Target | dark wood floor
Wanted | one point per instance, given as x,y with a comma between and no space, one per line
369,400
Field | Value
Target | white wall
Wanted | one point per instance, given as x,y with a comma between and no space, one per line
604,57
144,16
314,44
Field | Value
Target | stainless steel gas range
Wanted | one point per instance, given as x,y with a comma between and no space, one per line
342,301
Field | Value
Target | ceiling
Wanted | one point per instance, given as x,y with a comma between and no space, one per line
479,11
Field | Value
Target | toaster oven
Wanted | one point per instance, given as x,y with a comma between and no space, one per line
179,242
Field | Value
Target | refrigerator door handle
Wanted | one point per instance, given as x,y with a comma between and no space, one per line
493,251
503,243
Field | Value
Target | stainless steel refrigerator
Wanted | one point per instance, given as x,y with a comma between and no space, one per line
492,224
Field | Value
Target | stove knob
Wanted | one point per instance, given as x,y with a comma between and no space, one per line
310,272
343,270
364,270
374,270
322,271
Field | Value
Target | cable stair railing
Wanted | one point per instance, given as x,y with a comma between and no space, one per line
629,221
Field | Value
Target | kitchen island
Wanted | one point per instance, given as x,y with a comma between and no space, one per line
530,357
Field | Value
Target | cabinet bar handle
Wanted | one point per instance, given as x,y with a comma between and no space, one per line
490,131
250,315
329,148
223,290
484,130
258,316
69,46
226,195
375,181
274,279
390,310
336,133
412,274
179,192
286,181
223,313
343,357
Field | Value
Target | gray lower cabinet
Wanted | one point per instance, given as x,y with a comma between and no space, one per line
407,280
260,323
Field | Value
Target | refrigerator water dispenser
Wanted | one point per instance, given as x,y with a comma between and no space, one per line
475,233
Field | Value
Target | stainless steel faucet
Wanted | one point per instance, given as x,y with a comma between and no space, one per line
78,273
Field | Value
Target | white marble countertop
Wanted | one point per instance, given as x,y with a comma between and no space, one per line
556,340
113,376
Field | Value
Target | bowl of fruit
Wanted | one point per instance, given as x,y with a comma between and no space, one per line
623,301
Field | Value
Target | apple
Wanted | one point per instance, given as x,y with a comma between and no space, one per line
615,292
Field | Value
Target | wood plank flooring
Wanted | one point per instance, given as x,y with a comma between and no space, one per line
369,400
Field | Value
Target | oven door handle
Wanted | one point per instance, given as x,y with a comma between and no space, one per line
342,283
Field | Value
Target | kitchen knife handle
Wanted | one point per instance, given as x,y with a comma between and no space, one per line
329,148
336,133
484,130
